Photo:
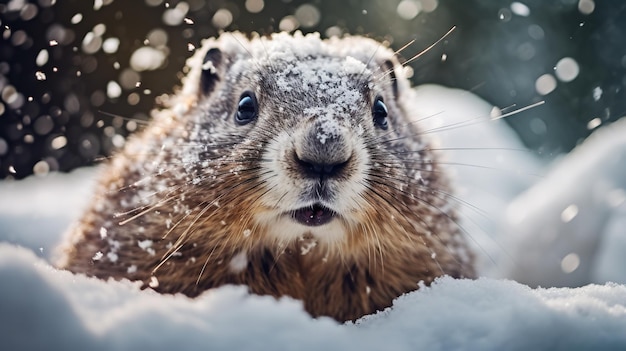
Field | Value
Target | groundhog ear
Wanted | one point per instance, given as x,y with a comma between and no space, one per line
210,64
390,70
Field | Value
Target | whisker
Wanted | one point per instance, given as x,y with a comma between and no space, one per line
418,55
478,120
148,209
137,120
397,52
402,213
204,267
511,171
522,109
381,182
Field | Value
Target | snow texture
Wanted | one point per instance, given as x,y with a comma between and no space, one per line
520,233
585,196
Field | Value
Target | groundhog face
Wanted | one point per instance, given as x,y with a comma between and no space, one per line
323,121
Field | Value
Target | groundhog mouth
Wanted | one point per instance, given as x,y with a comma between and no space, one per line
314,215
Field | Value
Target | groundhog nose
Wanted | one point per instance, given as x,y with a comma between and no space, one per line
321,168
320,154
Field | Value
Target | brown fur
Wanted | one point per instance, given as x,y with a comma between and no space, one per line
199,215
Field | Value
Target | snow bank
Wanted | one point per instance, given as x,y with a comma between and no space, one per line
43,308
35,212
570,228
54,310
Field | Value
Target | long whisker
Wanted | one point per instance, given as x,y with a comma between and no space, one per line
478,120
418,55
522,109
137,120
397,52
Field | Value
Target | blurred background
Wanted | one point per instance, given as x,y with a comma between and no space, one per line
76,76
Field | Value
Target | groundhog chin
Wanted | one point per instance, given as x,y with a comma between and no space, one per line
323,223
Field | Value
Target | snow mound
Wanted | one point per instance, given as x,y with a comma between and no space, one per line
570,228
34,212
48,309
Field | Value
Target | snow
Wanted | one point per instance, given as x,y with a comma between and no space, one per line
567,69
34,212
524,224
592,179
238,263
48,309
147,58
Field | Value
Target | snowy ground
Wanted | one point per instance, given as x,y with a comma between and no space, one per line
567,229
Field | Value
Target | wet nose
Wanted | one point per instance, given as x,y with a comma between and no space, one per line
323,157
321,168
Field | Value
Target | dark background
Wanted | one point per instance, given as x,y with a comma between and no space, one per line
66,119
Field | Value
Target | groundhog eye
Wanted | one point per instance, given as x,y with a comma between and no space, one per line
379,110
247,109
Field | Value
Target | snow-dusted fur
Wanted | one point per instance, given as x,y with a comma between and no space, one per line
196,200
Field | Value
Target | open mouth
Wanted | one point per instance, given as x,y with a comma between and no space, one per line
314,215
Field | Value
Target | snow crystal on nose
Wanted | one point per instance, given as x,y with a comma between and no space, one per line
328,127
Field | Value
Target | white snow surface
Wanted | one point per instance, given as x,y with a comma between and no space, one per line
584,198
522,223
